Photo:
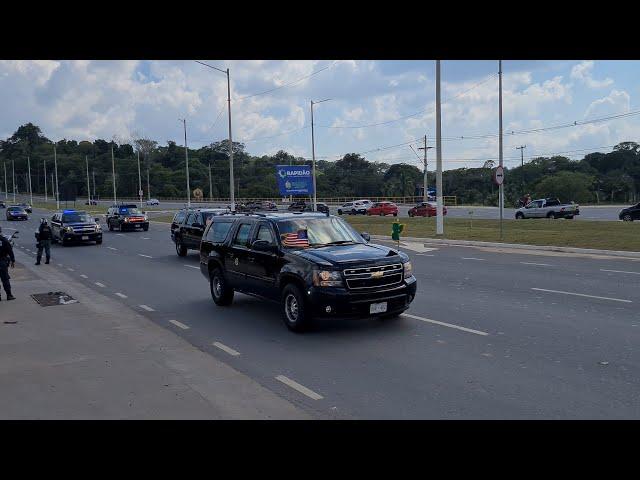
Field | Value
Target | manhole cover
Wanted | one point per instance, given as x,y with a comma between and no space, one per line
53,298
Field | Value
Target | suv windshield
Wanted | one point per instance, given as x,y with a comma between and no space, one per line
321,231
130,211
77,218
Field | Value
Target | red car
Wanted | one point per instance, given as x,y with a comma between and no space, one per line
426,209
383,208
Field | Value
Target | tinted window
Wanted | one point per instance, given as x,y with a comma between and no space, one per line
179,218
191,218
77,218
242,236
264,233
218,231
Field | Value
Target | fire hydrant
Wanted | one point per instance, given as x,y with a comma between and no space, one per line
396,230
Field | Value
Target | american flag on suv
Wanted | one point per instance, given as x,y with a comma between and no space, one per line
297,239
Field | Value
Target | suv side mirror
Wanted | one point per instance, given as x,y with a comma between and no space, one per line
262,246
366,236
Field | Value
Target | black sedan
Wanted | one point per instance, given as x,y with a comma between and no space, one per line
17,213
630,214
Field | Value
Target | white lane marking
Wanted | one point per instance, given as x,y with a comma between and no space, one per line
121,295
539,264
425,255
59,264
473,258
83,275
146,238
223,347
191,266
147,308
300,388
100,284
619,271
179,324
145,256
120,234
450,325
70,269
582,295
111,248
30,250
416,247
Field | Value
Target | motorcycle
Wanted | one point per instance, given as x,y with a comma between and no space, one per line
11,237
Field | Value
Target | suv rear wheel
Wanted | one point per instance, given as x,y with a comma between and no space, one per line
551,216
181,250
221,293
294,312
627,218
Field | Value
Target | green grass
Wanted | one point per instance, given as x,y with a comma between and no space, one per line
563,233
162,218
79,206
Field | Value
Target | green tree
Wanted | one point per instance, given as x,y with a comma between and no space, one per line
567,186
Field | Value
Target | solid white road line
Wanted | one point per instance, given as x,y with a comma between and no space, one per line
146,238
619,271
191,266
540,264
70,269
450,325
100,284
147,308
145,256
83,275
111,248
179,324
582,295
223,347
121,295
473,258
120,234
300,388
425,254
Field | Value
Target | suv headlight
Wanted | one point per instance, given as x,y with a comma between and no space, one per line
327,278
408,270
98,228
68,229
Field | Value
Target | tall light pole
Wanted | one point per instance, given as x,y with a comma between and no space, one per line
30,190
113,173
86,159
501,188
313,154
521,148
6,190
425,196
45,181
210,184
439,209
186,156
139,180
93,175
55,166
13,174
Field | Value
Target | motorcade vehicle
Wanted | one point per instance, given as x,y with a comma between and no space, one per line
126,216
75,226
264,205
383,209
313,265
26,207
188,225
15,212
153,201
630,214
426,209
550,208
353,208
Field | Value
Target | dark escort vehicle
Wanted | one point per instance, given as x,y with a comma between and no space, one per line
188,226
75,226
126,216
313,264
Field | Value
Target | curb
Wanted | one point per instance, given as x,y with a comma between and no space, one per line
517,246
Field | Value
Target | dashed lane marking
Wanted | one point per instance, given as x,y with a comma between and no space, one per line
425,254
111,248
581,295
147,308
538,264
450,325
473,258
179,324
619,271
145,256
121,295
300,388
224,348
191,266
83,275
70,269
100,284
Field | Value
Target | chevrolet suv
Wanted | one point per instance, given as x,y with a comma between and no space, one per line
312,264
74,225
126,216
188,226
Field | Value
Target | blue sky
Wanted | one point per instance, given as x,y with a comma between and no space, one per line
121,99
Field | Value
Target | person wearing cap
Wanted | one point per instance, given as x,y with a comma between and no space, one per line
43,236
7,260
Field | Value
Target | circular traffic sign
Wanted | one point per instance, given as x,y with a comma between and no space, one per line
498,175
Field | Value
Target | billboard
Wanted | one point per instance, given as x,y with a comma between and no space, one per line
294,179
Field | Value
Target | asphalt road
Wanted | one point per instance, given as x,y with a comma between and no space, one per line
491,335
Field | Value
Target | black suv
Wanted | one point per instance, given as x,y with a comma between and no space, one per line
74,225
314,265
188,226
126,216
302,206
630,214
265,206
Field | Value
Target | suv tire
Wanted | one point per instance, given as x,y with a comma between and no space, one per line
519,216
294,312
145,228
181,250
627,218
110,226
551,216
339,212
221,293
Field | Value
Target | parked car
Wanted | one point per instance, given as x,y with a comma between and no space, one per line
353,208
300,206
426,209
153,201
383,208
75,226
322,207
630,214
26,207
312,265
548,208
126,216
366,203
189,224
91,202
262,206
16,212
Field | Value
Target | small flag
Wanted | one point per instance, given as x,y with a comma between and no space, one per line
298,239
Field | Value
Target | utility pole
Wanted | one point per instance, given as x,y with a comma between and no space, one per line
13,174
139,180
45,180
425,196
313,154
148,188
86,159
30,190
501,188
113,173
186,156
6,190
55,166
439,209
521,148
210,184
93,175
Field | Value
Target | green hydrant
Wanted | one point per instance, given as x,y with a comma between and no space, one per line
396,230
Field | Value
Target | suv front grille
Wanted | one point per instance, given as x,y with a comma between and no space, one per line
373,277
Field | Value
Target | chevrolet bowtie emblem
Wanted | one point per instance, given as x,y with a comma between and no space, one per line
376,274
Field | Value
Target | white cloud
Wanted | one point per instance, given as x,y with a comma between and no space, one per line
583,73
618,101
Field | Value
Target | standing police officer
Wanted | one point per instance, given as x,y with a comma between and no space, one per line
6,259
43,235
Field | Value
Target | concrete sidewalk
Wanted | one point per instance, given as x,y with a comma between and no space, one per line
98,359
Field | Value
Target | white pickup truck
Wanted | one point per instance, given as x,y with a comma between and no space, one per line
548,208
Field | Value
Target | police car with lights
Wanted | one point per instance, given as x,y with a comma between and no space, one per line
126,216
314,265
71,226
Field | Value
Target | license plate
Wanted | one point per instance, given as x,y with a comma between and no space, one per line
85,237
378,307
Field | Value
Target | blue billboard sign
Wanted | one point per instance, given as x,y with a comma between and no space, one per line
294,179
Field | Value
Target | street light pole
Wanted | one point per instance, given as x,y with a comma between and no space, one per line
313,154
439,209
139,181
30,190
113,174
13,174
501,188
55,166
86,159
233,197
186,156
521,148
425,196
210,184
6,190
45,181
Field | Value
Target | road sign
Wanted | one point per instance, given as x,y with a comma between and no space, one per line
498,175
294,180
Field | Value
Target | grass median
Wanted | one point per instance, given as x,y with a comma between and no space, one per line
562,233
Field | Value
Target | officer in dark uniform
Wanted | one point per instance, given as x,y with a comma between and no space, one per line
6,260
43,236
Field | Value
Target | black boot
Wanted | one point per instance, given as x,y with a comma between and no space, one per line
37,262
47,262
10,297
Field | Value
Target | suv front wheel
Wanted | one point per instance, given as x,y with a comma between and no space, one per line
181,250
221,293
294,311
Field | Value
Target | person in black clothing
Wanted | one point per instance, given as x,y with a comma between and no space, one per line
43,236
6,260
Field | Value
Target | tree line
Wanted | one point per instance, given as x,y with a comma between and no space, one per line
598,177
